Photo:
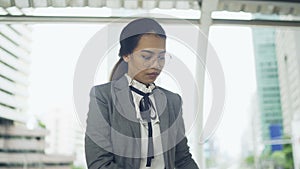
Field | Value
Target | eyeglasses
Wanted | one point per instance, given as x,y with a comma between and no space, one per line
148,58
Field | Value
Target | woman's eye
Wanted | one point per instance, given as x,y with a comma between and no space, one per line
146,57
161,57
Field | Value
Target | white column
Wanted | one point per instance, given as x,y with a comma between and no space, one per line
296,142
206,9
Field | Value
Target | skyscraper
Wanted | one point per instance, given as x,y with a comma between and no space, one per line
14,71
288,55
20,147
267,81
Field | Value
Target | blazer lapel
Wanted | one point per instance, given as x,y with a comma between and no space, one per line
162,110
124,103
161,107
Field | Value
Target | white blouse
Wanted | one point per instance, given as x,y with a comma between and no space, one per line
158,160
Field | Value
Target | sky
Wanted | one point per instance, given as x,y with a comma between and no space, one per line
56,48
235,50
55,51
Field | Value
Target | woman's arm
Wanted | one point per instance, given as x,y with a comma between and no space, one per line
183,157
98,146
97,157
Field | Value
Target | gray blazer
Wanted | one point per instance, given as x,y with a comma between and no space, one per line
112,139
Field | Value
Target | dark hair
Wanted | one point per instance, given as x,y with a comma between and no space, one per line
129,39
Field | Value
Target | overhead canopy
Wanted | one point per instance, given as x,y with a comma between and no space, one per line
285,7
22,10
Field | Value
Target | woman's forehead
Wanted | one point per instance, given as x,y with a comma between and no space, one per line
151,41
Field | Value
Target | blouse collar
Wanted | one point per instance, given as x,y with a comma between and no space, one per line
142,87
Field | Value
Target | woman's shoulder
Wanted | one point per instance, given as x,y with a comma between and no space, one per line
101,90
102,87
169,94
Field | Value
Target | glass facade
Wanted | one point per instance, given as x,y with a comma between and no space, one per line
267,79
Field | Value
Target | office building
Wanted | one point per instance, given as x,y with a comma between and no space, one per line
288,55
20,147
268,89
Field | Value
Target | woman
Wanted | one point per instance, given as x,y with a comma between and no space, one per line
132,123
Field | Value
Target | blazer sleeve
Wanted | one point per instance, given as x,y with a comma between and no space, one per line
98,146
183,157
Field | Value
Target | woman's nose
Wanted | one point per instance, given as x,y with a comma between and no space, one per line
156,64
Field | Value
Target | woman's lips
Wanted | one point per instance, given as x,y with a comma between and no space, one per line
153,75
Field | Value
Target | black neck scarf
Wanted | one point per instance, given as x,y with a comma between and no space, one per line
144,106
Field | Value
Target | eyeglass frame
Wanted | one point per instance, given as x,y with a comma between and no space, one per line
164,52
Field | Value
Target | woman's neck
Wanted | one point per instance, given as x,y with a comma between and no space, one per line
133,78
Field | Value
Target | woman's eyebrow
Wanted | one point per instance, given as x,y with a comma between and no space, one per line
149,51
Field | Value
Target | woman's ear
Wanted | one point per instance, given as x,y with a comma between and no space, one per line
126,58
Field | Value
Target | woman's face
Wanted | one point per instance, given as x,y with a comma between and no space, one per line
147,59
